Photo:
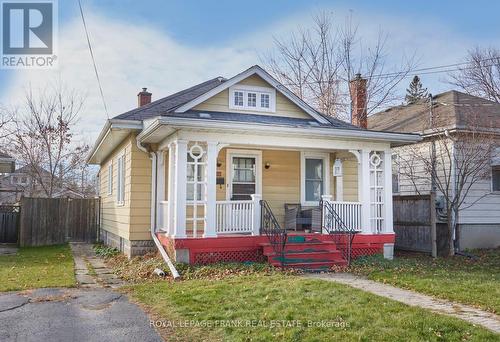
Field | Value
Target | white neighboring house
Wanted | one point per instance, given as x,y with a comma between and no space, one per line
478,222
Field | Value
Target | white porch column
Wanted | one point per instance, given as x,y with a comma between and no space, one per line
160,190
179,230
256,214
171,190
388,216
211,191
364,191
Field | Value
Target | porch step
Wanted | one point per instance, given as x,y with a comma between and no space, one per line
307,253
310,247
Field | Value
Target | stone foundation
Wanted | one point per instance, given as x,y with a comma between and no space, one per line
129,248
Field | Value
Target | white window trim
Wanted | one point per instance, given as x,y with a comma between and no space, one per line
120,183
326,175
230,153
110,178
493,191
398,174
253,89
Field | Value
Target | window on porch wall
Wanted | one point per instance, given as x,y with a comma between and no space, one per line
376,192
196,184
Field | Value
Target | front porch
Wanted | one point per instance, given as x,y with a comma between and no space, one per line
208,195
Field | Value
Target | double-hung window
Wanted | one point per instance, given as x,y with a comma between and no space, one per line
120,193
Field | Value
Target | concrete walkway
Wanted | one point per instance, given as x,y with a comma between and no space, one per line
90,270
467,313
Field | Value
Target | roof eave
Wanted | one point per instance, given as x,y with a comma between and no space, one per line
107,131
179,123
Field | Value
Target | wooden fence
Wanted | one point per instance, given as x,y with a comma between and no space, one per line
9,223
415,223
50,221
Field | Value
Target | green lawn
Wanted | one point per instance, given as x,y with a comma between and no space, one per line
459,279
243,308
34,267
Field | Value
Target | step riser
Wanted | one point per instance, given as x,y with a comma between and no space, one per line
303,249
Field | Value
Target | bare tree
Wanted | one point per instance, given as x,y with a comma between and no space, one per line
43,139
317,65
452,162
481,75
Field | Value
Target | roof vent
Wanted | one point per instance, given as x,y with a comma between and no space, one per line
205,115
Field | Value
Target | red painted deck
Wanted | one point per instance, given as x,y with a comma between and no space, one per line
242,248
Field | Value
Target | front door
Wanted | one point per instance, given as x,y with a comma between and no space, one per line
243,177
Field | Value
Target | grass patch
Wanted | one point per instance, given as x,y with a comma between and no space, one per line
290,302
460,279
34,267
140,269
104,251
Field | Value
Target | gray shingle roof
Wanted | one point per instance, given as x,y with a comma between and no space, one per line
451,108
261,118
171,102
167,106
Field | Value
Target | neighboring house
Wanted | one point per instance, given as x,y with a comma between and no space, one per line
7,163
21,183
479,221
192,168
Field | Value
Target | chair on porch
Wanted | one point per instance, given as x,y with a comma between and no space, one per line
292,215
295,216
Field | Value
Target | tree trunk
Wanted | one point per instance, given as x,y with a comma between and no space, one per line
450,223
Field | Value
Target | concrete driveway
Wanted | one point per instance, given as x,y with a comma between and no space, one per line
90,314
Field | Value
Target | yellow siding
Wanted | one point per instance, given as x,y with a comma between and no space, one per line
281,182
350,175
130,220
284,107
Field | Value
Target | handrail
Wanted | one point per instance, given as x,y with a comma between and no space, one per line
331,221
277,236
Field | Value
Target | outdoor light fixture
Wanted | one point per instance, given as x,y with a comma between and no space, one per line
267,165
219,164
337,168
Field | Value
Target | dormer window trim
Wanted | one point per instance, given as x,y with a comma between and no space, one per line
252,98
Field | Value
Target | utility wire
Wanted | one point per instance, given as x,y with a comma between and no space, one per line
93,58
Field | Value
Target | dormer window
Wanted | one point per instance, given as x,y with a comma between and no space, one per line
264,100
238,98
252,98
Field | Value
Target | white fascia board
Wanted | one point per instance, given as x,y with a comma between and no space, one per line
312,132
238,78
109,126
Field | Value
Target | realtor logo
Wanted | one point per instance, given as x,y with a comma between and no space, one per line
28,34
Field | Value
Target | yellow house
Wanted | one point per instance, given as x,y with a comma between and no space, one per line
235,169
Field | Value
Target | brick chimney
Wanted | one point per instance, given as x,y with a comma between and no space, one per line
144,97
357,89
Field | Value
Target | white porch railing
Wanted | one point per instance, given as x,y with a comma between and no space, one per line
163,215
349,213
235,216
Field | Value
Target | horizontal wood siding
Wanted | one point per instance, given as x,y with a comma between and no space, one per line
131,220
